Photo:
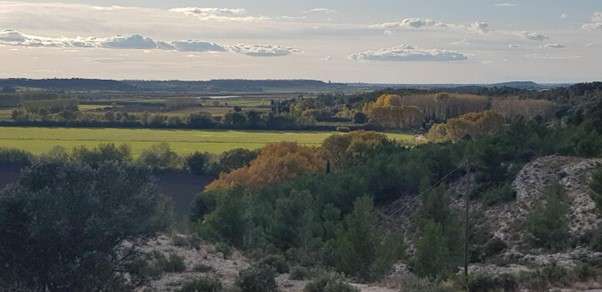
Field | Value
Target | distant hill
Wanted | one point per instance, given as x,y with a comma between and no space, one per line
242,85
230,85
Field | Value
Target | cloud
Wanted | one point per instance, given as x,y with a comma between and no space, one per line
411,23
596,22
134,41
219,14
480,27
196,46
326,59
406,53
506,4
262,50
513,46
321,11
554,46
16,38
534,36
564,16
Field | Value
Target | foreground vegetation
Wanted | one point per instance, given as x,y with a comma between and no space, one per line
315,210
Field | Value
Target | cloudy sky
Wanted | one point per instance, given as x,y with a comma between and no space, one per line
400,41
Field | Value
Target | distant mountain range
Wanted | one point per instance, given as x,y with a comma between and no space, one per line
240,85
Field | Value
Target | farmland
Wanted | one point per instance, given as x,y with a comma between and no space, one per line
40,140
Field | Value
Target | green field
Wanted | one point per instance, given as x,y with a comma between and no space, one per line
40,140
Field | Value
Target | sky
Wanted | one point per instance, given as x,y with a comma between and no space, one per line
377,41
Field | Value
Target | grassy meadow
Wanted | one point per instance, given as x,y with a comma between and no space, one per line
40,140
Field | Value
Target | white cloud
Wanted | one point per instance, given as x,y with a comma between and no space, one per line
322,11
196,46
134,41
480,27
554,46
326,59
406,53
534,36
262,50
16,38
513,46
506,4
411,23
219,14
596,22
564,16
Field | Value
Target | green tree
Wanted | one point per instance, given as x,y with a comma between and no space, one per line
62,225
361,249
438,223
197,163
547,223
159,157
432,253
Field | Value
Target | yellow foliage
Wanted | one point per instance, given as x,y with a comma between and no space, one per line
468,125
275,163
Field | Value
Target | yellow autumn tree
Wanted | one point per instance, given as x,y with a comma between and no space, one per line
339,149
275,163
471,125
388,111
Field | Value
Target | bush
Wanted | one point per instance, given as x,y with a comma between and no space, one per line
14,156
234,159
173,264
202,285
485,283
500,194
257,278
62,224
411,283
202,268
596,186
596,241
329,283
197,163
160,157
299,273
277,262
547,223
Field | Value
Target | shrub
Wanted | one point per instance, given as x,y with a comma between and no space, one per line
500,194
84,214
14,156
411,283
277,262
596,241
596,186
202,268
431,259
485,283
197,163
547,223
329,283
202,285
159,157
257,278
234,159
299,273
173,264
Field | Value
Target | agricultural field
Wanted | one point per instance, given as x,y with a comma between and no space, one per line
40,140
